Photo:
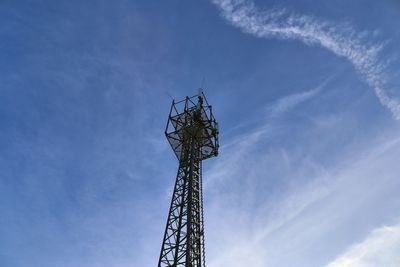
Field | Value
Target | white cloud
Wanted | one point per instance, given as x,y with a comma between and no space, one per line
342,41
286,103
380,249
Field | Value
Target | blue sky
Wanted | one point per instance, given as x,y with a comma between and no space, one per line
306,95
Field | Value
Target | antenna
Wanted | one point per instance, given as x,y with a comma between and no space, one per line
169,95
202,82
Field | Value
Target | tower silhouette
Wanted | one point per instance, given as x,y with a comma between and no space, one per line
192,132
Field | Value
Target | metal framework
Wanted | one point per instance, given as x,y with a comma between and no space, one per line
192,132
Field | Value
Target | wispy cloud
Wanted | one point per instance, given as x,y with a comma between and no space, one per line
380,248
304,217
342,41
288,102
245,143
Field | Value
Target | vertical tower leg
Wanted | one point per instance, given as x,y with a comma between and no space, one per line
203,249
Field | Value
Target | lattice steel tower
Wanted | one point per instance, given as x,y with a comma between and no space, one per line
192,132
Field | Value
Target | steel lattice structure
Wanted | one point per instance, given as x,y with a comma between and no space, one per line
192,132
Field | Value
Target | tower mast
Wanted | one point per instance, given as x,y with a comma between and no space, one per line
192,132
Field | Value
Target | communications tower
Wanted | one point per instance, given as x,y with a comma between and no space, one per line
192,132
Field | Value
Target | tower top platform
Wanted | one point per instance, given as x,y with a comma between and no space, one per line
191,121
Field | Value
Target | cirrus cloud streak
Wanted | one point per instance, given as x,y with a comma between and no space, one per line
342,41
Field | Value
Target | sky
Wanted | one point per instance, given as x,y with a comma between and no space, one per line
307,98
